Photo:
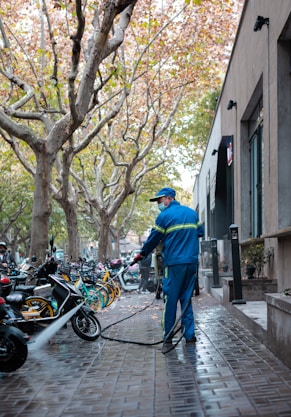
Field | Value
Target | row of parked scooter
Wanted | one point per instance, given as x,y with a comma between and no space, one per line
125,275
26,309
32,298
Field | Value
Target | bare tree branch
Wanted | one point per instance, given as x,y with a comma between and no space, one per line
55,66
18,130
97,55
21,84
15,146
76,50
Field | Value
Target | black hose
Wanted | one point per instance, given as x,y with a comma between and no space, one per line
129,341
164,341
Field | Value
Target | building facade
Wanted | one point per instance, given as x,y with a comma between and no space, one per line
245,177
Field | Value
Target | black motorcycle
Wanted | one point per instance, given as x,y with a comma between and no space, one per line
13,342
35,312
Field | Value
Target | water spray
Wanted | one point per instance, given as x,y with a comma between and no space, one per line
52,329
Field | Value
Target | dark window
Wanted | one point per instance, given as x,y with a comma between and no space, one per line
257,182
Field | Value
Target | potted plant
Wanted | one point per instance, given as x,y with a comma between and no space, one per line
250,270
254,258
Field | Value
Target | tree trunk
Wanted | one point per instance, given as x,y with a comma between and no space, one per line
73,230
41,207
104,235
67,198
117,247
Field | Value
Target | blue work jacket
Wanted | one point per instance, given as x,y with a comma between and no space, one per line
178,227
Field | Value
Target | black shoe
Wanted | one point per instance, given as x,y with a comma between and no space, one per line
193,340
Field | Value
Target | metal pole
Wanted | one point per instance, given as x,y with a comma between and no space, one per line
237,287
216,283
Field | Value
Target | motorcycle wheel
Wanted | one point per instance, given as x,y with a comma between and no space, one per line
87,327
13,353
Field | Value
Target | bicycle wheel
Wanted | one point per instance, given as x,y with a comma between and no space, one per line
93,299
117,289
39,305
111,291
100,287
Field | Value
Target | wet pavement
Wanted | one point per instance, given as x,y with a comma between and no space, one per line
229,373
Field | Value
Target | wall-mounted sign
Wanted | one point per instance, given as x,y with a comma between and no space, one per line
229,154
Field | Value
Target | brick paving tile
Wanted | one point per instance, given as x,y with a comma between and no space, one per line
229,373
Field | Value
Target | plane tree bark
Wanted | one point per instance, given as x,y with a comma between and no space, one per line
58,125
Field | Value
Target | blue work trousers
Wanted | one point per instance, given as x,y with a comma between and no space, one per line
178,285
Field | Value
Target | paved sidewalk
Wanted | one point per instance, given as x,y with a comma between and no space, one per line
228,374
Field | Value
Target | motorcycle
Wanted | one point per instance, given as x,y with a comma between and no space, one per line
30,275
13,342
129,281
29,288
38,312
25,280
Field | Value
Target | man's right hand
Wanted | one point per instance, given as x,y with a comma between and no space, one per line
138,257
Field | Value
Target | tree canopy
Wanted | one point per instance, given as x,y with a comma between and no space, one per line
89,93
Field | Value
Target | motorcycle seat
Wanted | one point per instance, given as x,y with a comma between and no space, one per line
18,278
25,288
15,298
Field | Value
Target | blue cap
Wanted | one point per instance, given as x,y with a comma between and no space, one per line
164,192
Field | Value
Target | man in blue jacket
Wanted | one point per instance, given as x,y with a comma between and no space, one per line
178,228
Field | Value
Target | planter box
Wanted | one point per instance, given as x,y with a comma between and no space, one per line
252,289
279,326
